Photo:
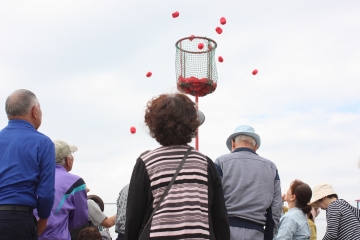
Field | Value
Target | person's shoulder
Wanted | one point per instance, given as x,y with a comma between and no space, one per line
225,157
76,180
42,137
311,223
335,206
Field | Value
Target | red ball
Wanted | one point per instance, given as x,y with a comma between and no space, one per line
254,72
133,130
218,30
201,46
210,46
220,59
149,74
191,37
223,21
175,14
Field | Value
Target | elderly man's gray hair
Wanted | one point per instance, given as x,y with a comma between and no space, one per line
61,161
20,102
245,138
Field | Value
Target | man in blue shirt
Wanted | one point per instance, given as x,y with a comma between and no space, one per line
27,169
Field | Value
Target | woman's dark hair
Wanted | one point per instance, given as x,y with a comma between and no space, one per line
89,233
333,196
98,200
172,119
303,195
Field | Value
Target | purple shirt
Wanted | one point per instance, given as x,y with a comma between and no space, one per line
70,208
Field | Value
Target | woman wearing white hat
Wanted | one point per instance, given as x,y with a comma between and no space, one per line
343,220
294,225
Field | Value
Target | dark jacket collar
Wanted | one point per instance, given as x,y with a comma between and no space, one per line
244,149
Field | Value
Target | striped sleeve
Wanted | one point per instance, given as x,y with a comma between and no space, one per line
342,221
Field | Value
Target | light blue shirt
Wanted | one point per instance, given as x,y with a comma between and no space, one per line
293,226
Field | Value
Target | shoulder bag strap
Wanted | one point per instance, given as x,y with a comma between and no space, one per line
167,189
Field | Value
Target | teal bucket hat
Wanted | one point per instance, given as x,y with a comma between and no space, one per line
244,130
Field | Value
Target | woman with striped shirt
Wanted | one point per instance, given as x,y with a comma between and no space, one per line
194,208
343,220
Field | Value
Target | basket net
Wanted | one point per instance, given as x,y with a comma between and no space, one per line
196,72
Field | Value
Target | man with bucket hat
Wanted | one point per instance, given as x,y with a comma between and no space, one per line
251,187
343,220
70,209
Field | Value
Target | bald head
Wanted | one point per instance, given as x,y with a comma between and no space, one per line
20,102
23,104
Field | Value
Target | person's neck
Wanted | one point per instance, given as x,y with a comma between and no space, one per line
243,145
291,205
329,200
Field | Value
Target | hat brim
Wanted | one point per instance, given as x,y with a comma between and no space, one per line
232,136
319,196
73,148
201,117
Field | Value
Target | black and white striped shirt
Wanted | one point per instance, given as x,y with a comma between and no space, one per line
343,221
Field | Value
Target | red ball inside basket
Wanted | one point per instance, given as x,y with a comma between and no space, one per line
195,86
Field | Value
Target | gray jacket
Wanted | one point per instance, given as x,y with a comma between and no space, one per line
251,188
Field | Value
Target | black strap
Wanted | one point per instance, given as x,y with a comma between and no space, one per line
166,190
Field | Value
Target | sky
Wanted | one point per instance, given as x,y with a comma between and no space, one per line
86,61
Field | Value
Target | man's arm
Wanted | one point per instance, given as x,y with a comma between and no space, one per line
121,210
41,225
45,190
80,214
109,221
97,217
273,213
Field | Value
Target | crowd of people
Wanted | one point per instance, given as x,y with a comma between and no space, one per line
175,191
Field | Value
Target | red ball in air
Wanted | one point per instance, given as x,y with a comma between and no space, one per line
219,30
254,72
149,74
201,46
223,21
220,59
175,14
133,130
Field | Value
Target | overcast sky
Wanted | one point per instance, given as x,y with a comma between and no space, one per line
86,61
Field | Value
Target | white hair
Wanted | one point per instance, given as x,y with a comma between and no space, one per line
61,161
245,138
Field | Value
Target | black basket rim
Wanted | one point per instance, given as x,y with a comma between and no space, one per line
195,37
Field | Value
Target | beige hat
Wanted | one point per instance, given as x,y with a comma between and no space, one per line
62,149
320,191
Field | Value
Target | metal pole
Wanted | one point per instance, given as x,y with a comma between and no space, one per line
197,131
357,204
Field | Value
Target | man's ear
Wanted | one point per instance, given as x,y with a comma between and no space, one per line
67,161
35,112
232,145
256,148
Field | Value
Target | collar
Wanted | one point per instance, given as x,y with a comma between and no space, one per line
19,122
244,149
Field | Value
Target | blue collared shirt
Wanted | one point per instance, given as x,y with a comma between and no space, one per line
293,226
27,167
